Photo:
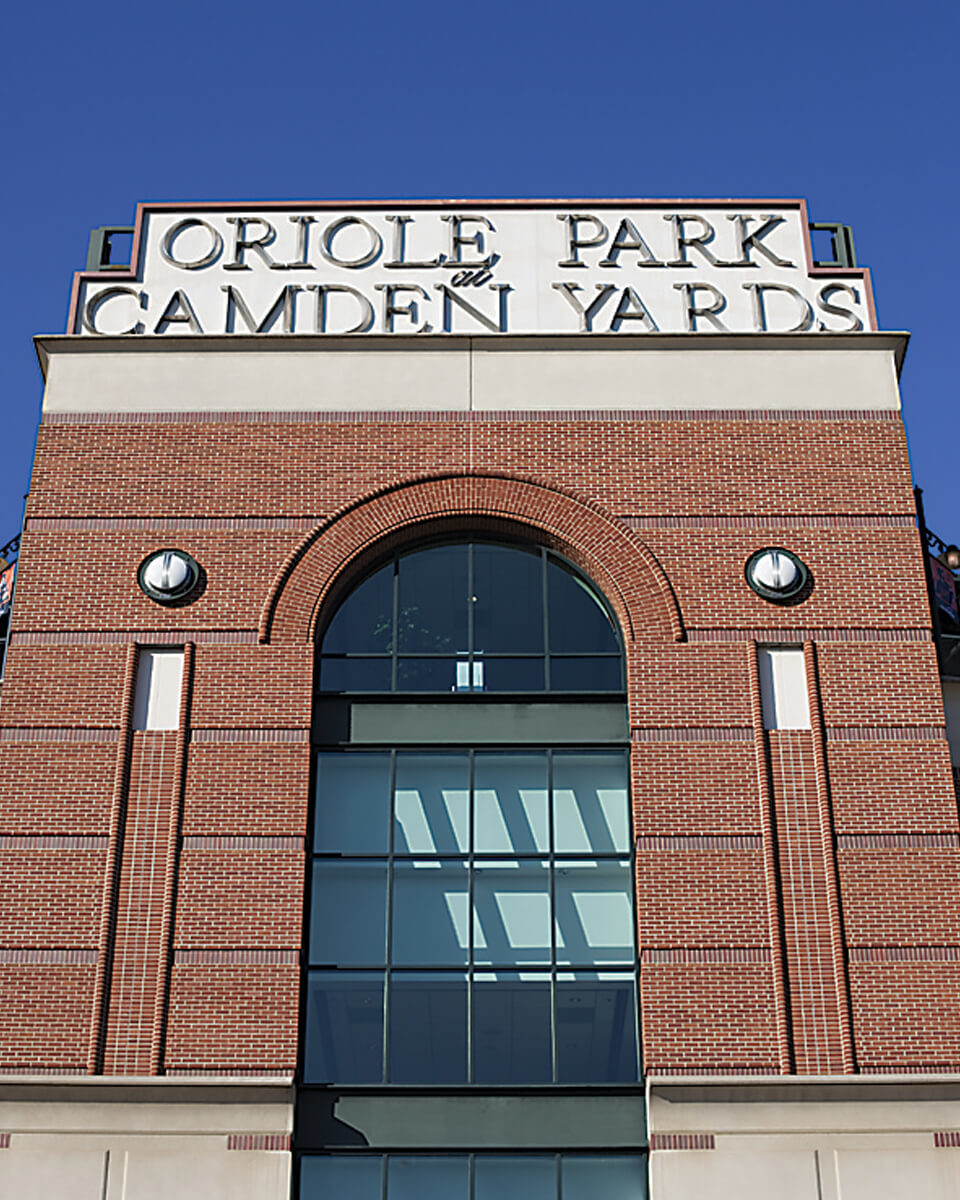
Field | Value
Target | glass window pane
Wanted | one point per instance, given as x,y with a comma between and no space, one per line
507,600
428,675
531,1177
584,674
617,1177
510,803
511,1028
353,803
422,1177
428,1027
430,900
324,1176
513,674
344,1034
594,913
348,914
364,622
579,622
590,810
511,915
433,601
431,812
596,1028
356,674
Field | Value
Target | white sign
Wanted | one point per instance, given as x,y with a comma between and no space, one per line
611,267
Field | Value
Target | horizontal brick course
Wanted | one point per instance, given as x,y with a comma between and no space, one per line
282,469
907,1014
45,1016
708,1013
695,787
51,897
56,788
893,786
63,686
252,789
700,897
237,898
224,1016
901,896
253,686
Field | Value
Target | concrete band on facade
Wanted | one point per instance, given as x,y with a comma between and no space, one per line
271,372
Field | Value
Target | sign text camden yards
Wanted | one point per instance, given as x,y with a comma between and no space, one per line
601,267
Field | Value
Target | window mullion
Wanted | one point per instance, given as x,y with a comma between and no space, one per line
551,844
546,619
388,960
471,839
471,605
395,640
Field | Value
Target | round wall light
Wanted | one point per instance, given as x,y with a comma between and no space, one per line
776,574
168,575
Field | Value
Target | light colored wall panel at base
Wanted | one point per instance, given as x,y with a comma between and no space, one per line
143,1139
879,1174
805,1138
714,1175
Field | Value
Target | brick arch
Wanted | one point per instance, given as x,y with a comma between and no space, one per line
326,563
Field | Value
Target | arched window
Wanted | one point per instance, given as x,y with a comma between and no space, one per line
470,909
472,616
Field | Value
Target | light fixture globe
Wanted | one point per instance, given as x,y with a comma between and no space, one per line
168,575
776,574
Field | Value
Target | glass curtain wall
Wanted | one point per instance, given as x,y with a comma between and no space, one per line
474,1177
471,919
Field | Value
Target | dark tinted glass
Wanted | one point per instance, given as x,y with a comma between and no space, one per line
418,1177
513,675
530,1177
432,613
511,1029
495,1177
353,804
428,1028
426,674
364,622
430,904
596,1029
578,620
323,1176
614,1177
507,600
355,674
585,674
344,1035
348,913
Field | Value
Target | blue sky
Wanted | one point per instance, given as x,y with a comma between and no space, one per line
854,106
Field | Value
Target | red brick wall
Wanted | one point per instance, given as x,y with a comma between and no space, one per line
663,514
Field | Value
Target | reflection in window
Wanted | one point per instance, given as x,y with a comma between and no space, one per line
480,1176
492,939
472,617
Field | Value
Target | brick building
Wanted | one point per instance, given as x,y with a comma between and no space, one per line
472,720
